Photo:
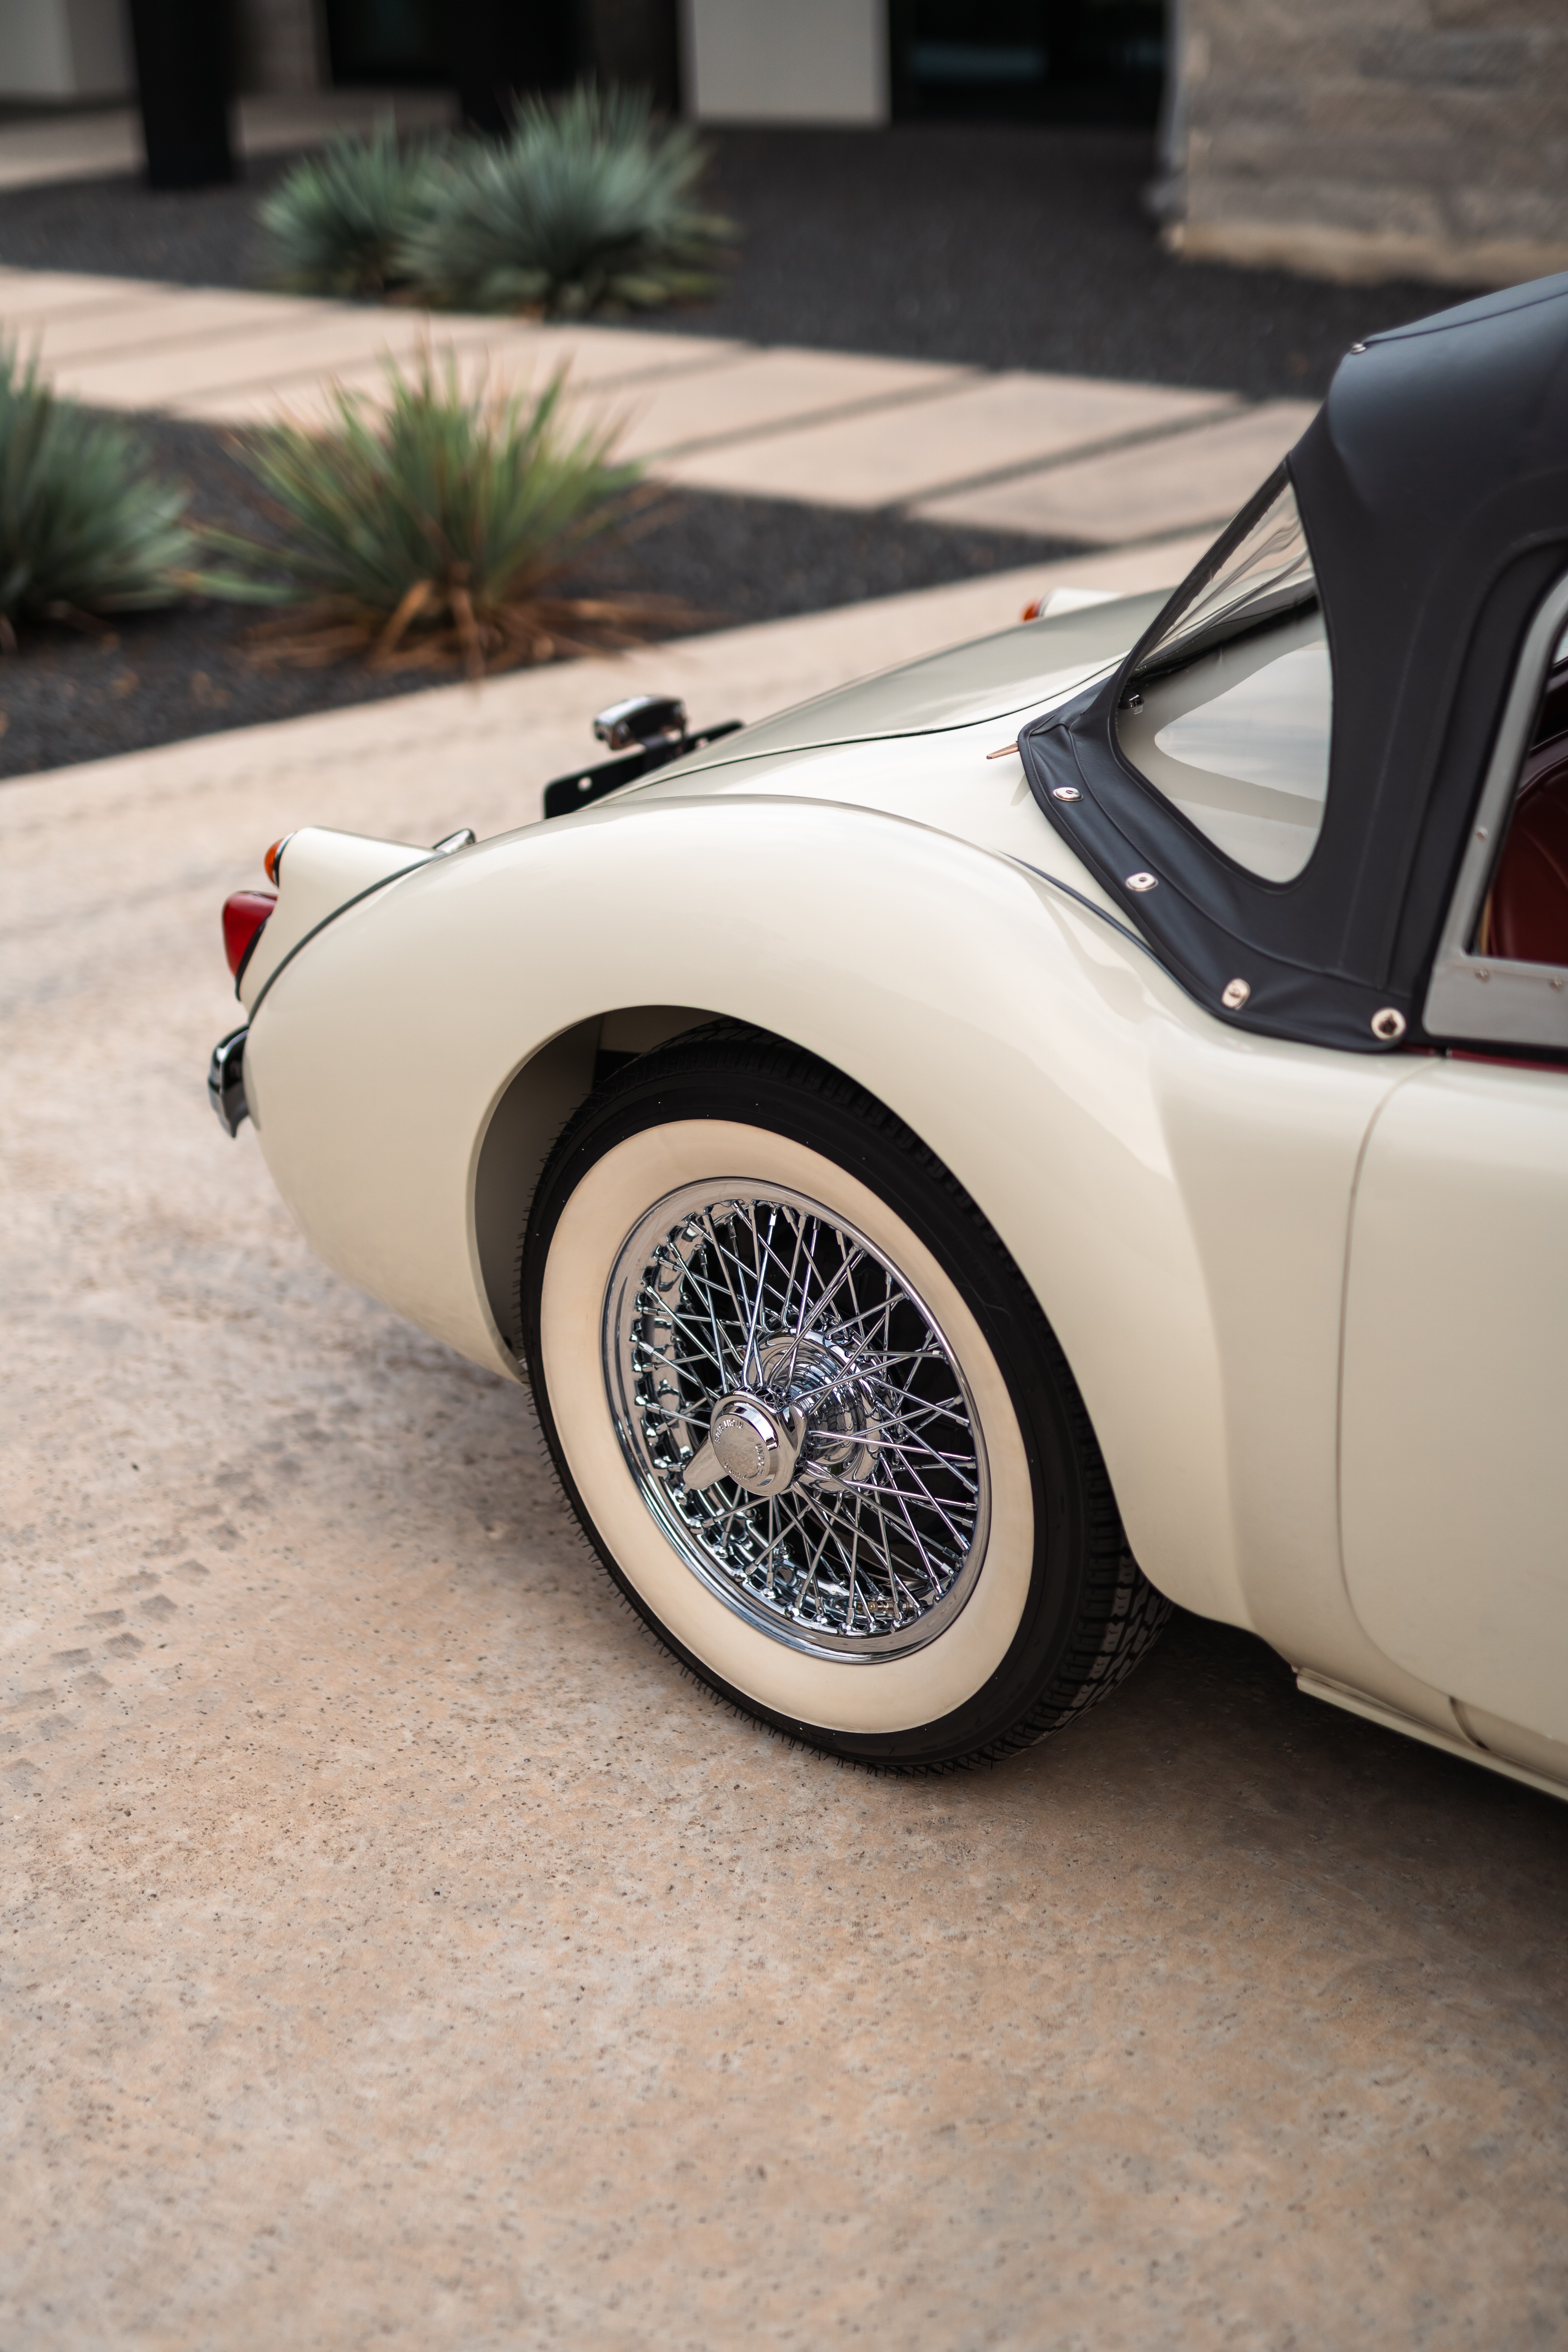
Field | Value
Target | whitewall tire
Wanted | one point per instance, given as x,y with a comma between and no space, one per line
776,1355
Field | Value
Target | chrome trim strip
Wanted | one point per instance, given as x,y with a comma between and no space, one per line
1068,892
1376,1710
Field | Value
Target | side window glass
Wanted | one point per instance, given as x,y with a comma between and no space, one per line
1524,917
1228,712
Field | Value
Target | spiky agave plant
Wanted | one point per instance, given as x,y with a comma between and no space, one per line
338,221
435,528
587,203
85,527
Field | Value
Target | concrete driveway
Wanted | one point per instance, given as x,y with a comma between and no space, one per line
400,1952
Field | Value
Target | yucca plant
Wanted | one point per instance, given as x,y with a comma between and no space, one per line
85,527
338,221
437,528
587,203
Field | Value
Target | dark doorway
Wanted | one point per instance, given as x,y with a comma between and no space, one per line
535,45
1027,60
386,41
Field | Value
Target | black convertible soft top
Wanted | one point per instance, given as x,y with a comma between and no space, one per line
1433,485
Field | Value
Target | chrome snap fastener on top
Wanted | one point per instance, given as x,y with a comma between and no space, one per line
1356,349
1066,792
1388,1025
1142,882
1234,994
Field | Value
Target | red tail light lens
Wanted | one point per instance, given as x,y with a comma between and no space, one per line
243,915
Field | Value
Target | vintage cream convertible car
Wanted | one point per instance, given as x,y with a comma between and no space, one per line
1073,1124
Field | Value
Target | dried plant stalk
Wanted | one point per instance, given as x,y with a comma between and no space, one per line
435,531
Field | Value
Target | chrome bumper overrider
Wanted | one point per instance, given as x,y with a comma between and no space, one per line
226,1081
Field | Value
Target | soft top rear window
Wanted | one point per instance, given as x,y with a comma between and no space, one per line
1267,573
1228,709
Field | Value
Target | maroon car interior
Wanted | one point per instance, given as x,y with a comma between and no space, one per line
1526,915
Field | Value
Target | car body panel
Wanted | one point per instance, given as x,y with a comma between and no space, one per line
319,872
968,783
438,989
1014,670
1456,1387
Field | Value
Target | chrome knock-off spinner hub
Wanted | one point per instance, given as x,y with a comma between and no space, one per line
837,1401
796,1421
755,1443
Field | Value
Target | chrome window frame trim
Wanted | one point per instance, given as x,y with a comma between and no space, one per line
1487,998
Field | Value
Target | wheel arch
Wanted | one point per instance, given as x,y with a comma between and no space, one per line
528,1114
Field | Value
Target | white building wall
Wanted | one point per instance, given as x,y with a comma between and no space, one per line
785,60
64,49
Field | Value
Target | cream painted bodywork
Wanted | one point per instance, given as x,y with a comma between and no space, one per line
1177,1194
325,871
1456,1392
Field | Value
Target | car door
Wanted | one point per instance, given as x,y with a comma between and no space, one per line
1454,1398
1454,1448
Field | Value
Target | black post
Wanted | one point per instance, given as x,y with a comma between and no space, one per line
182,71
636,43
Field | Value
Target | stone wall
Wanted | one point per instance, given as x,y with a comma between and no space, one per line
1368,139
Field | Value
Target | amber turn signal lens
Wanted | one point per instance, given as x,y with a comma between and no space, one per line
273,855
243,915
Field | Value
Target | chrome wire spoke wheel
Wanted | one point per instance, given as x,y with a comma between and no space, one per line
811,1418
796,1420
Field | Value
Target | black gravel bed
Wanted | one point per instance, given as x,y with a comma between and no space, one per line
117,229
1001,245
156,678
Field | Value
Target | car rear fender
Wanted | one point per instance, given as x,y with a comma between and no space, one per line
318,872
409,1075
